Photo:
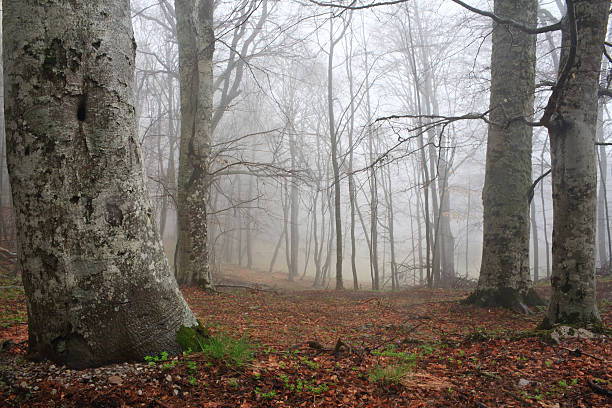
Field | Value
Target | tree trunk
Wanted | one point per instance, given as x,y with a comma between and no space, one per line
294,200
98,285
351,176
504,272
603,227
334,157
534,237
196,41
545,223
572,128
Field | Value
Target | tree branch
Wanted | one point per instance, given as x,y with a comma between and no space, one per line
505,21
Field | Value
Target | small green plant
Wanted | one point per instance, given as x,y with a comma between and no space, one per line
563,384
461,353
301,385
309,363
153,360
400,355
427,349
265,395
574,381
285,379
235,352
391,374
316,390
168,365
193,381
232,382
192,366
548,363
537,396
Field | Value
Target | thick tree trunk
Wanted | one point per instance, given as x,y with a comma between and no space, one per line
504,272
97,283
572,128
196,42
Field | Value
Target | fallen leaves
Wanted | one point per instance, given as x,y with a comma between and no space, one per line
320,348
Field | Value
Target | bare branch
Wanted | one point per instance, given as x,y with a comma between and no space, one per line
505,21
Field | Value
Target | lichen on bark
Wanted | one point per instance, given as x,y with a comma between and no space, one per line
572,122
504,273
98,285
196,44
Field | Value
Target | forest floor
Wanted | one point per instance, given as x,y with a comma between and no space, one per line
282,347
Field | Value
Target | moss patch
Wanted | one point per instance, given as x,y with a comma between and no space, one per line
192,338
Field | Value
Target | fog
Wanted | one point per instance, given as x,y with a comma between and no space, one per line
403,79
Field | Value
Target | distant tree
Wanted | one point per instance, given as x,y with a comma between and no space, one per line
196,41
97,282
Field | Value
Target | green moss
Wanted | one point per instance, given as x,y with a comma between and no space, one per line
192,338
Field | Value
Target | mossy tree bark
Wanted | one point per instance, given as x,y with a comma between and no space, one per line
196,43
571,117
97,283
504,272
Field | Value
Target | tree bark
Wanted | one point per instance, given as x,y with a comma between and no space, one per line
196,43
334,156
603,225
572,128
534,237
98,285
504,272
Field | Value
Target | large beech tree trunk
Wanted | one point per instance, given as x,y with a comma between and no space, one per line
504,272
571,117
98,285
196,41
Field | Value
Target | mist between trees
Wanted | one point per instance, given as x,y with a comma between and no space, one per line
346,142
409,186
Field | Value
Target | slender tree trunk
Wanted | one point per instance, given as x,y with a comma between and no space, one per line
504,272
420,238
389,197
534,237
249,228
276,249
334,154
196,41
351,176
294,212
412,239
603,226
544,213
467,231
572,126
97,283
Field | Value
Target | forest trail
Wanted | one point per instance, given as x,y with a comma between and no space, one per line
309,348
